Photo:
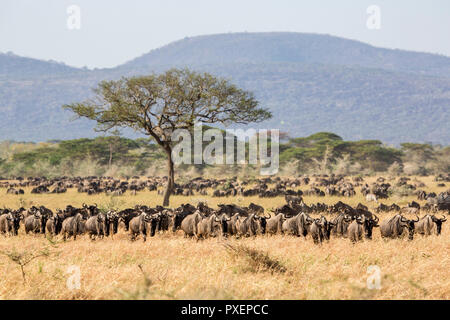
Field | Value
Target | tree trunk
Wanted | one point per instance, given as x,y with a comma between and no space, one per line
171,178
110,155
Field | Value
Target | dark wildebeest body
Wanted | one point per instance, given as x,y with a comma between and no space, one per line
33,224
360,226
251,225
315,230
96,226
297,225
429,224
190,224
208,227
139,226
341,223
73,226
394,227
275,223
54,224
10,223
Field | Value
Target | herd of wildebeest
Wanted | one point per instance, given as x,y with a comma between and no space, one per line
319,221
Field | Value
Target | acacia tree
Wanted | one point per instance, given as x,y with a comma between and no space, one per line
157,105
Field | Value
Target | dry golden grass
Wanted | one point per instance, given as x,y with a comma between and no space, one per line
177,268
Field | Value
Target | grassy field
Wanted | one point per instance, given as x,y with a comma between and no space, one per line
169,266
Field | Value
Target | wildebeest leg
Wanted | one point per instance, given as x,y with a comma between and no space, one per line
143,230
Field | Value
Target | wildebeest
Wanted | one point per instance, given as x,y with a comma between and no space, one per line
154,222
297,225
139,225
327,226
429,224
340,225
36,221
275,223
208,227
394,227
33,223
231,224
251,225
96,226
112,223
315,230
127,215
10,222
72,226
361,225
54,223
14,191
176,218
190,223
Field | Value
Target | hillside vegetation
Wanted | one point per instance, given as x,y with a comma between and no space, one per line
310,82
318,153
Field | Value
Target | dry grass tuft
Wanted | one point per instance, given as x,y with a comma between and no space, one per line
257,259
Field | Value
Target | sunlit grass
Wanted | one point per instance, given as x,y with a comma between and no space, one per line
177,268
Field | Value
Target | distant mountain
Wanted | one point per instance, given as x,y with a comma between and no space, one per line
276,47
310,82
14,66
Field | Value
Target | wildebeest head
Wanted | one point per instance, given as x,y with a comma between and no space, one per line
368,224
92,210
327,226
438,223
101,218
224,224
57,221
263,222
186,209
45,214
153,219
410,224
14,220
112,219
175,219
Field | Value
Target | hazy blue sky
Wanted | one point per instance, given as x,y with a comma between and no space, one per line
113,32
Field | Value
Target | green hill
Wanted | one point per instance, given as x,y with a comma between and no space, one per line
310,83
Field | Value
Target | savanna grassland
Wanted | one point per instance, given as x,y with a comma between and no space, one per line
168,266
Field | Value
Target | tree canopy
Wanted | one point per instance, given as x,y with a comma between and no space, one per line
157,105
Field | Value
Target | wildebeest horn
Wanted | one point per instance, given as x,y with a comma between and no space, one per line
417,218
376,218
443,218
403,219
